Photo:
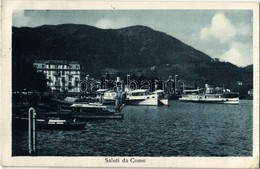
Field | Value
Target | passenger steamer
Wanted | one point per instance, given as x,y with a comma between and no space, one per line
208,95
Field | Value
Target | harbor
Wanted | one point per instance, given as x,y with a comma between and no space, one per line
182,129
107,103
126,116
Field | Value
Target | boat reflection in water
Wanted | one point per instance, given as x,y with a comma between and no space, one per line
210,95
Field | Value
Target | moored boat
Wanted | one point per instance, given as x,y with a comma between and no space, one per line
51,124
96,111
210,96
141,97
106,96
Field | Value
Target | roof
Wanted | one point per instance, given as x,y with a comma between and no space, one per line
138,91
71,99
90,105
56,62
102,90
194,90
158,91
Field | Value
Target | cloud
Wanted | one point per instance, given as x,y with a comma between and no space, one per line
113,24
239,54
223,29
228,40
243,29
20,19
105,23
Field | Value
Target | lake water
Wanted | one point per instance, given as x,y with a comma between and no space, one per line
181,129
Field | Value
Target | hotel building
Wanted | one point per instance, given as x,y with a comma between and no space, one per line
63,76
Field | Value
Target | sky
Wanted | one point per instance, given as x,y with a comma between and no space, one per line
223,34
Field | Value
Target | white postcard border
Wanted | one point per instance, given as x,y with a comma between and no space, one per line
179,162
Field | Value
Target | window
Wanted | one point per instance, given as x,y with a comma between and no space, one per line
70,86
43,66
70,77
76,83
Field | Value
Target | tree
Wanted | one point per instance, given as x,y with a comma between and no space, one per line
26,77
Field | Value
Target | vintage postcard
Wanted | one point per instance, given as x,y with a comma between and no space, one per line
130,84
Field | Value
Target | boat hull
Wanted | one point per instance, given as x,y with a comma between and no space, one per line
100,116
86,111
143,102
164,102
212,100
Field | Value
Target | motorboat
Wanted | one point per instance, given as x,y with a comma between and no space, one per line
141,97
96,110
106,96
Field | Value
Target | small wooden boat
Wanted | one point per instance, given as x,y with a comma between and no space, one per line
51,124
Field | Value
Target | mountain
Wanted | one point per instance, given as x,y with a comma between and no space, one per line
137,49
249,67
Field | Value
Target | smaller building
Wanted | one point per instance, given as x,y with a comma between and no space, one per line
63,76
215,60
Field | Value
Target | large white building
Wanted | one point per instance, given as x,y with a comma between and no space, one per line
62,75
